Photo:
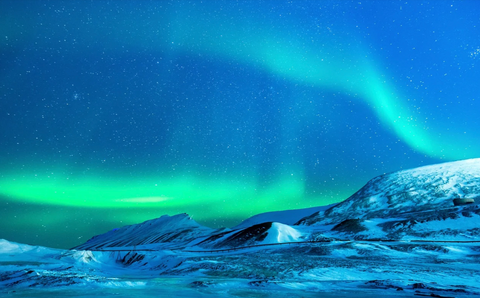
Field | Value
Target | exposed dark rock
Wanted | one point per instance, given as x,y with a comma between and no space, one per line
350,226
461,202
382,284
248,236
260,283
201,284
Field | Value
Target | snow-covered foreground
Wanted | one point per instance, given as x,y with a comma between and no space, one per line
175,287
334,269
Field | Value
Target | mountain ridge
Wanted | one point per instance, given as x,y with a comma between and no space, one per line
409,204
426,187
175,230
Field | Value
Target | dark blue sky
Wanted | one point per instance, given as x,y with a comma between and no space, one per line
117,112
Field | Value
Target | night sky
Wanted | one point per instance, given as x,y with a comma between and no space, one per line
115,112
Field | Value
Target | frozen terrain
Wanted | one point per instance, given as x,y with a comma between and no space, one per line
334,269
399,236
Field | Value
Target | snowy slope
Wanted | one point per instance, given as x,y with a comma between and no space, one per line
416,190
280,233
180,231
13,247
259,234
172,231
27,267
23,252
288,217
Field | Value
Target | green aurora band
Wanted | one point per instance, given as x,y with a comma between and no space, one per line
238,199
328,60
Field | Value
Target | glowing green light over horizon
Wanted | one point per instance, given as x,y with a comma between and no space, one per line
238,199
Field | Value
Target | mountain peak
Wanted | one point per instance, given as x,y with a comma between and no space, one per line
413,190
176,230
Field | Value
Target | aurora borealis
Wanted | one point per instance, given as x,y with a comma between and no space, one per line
117,112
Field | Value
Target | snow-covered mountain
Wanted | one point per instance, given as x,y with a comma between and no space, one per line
180,231
265,228
23,251
259,234
414,190
410,204
166,231
416,203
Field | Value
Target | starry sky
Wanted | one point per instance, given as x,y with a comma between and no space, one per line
115,112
